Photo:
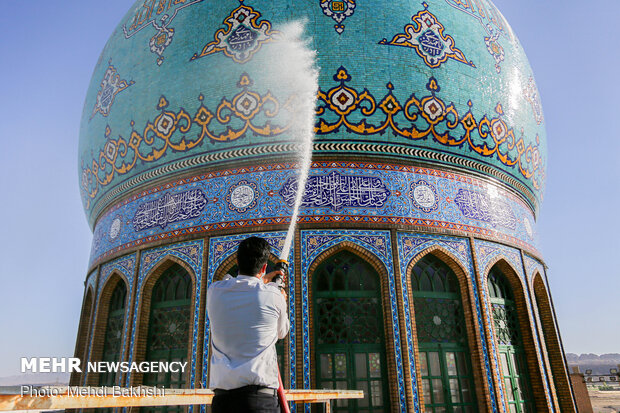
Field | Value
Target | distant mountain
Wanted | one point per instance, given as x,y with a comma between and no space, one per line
36,379
598,364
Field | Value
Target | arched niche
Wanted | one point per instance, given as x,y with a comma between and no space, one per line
448,359
81,346
518,371
161,312
367,365
112,305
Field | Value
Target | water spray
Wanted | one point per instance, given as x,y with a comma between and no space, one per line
296,72
294,68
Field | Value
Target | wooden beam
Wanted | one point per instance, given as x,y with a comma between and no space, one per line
51,398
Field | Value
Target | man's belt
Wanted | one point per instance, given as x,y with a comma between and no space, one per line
252,388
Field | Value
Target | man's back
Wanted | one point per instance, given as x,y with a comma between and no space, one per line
247,317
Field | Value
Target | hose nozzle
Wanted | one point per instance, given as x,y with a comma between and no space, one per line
281,265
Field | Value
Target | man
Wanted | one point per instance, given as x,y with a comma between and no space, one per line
247,316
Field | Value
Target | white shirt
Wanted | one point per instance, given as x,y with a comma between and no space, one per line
247,317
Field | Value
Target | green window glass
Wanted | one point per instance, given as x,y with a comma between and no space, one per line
114,332
349,339
169,326
510,344
445,366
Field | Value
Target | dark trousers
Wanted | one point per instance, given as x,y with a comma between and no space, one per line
247,401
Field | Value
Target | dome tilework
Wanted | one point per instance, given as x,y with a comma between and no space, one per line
185,84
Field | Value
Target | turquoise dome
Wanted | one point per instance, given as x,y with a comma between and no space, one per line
184,84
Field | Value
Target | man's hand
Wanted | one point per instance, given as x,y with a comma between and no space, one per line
267,278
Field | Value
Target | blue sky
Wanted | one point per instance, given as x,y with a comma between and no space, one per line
49,50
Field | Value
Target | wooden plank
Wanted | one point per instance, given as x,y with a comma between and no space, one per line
50,398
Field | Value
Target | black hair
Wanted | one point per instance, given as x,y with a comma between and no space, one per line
252,254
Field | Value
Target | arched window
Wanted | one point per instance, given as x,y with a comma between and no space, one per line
445,366
510,343
114,332
169,325
348,333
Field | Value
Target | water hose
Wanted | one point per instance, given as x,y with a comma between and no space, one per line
281,396
281,265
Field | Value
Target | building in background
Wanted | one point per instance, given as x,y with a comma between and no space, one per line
415,274
609,380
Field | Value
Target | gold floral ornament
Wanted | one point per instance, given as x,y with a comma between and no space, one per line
170,131
338,10
243,36
429,117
